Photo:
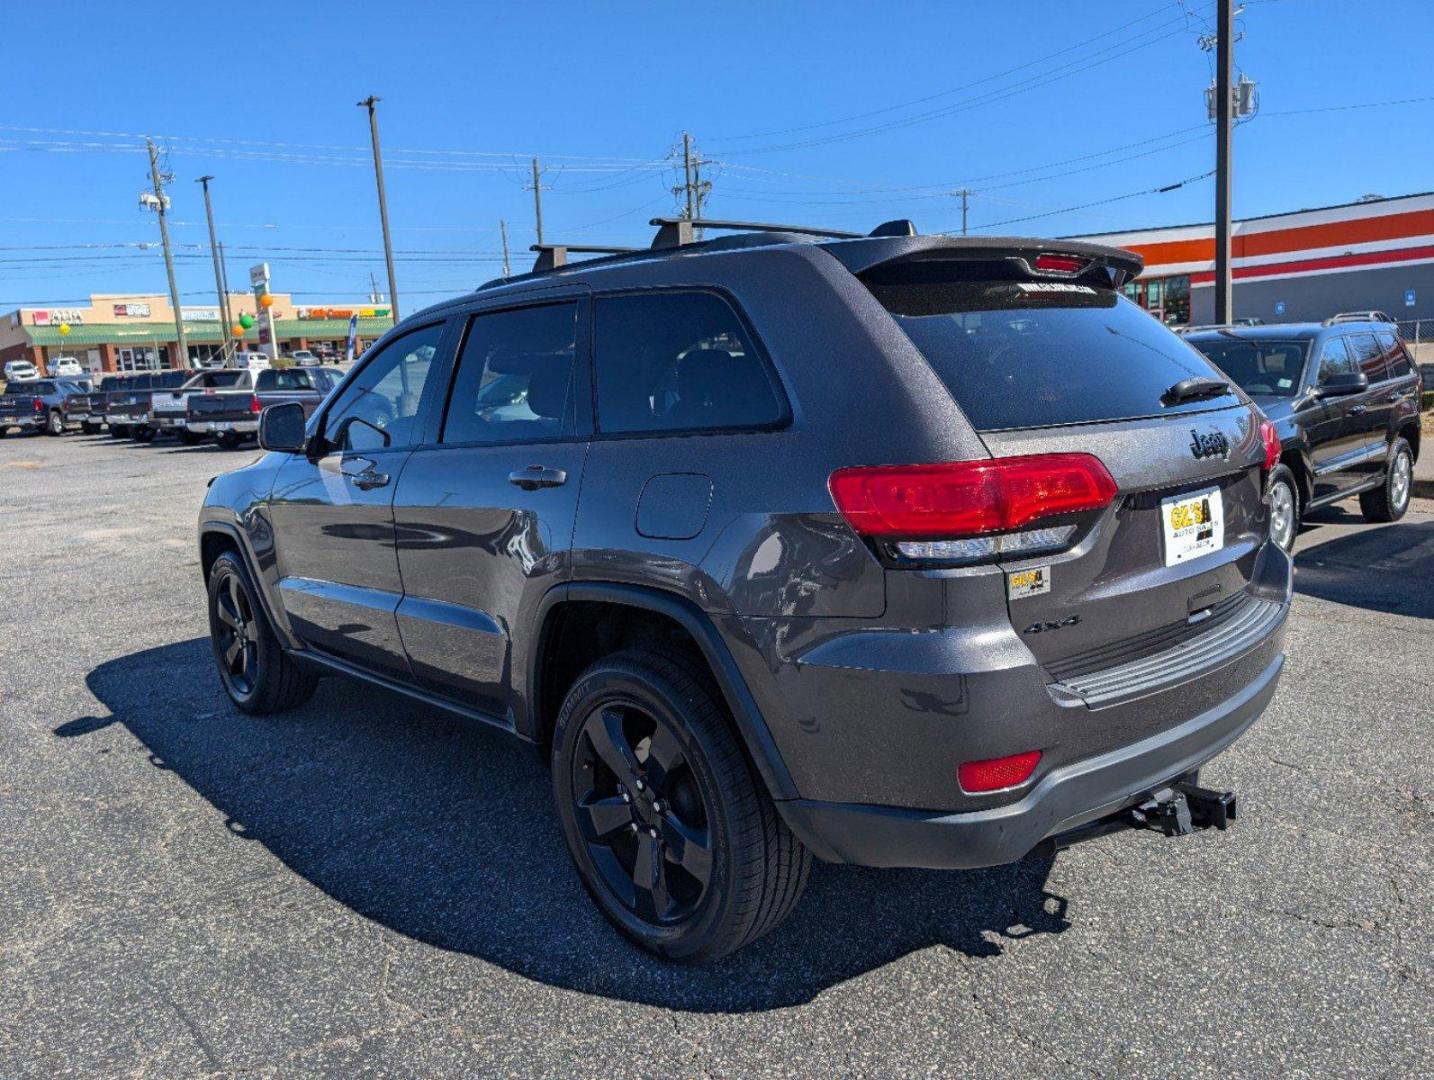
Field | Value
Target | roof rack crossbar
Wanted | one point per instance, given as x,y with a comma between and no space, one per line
1358,316
678,232
552,256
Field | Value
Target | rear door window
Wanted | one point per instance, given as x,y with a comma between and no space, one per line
1368,357
679,361
515,377
1016,353
1394,354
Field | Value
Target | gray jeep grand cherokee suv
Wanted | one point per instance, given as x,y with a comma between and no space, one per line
895,550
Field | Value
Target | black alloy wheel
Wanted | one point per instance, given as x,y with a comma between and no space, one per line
258,675
236,638
641,812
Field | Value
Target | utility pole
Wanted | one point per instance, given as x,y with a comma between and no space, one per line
160,204
965,194
369,103
538,198
218,273
1224,146
687,174
503,229
224,288
374,296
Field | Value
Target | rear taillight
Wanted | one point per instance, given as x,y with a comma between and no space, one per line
970,511
1271,438
995,774
39,405
255,406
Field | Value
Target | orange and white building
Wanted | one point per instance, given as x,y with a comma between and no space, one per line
1375,254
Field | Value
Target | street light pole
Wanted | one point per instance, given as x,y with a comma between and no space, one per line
369,103
1224,146
168,255
218,274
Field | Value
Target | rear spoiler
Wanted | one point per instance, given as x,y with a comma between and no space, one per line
863,256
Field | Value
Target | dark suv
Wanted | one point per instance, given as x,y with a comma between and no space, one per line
1344,397
893,550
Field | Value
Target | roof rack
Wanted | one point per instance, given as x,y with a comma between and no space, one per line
552,256
679,232
1358,316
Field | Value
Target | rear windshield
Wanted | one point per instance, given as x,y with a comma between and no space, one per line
1271,367
1020,354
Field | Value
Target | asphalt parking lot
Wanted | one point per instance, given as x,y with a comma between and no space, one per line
359,889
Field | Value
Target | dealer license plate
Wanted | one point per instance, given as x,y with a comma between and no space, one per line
1193,525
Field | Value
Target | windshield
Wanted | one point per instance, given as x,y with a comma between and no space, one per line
1017,353
1272,368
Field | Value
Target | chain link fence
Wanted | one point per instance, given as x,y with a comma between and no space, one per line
1418,334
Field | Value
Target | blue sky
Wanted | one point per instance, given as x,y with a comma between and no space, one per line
826,112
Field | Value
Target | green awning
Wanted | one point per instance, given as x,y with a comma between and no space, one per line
158,333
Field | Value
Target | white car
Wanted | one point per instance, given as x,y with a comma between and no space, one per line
62,366
20,371
303,356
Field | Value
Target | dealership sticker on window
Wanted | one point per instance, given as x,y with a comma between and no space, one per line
1028,582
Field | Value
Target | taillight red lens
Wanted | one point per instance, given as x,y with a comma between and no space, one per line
255,406
968,498
38,404
997,773
1271,438
1059,264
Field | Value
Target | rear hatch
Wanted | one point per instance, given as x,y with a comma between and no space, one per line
1060,364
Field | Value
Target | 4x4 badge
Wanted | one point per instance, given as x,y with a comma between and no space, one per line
1210,444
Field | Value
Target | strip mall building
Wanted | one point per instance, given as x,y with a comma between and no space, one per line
1376,254
136,333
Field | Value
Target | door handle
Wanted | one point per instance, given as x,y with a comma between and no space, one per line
367,481
535,476
1356,410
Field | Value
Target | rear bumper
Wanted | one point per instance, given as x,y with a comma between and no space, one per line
25,423
1063,799
219,427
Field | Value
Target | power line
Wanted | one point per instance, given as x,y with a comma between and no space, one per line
1098,202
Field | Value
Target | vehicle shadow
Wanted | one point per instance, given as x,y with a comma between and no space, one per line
446,834
1386,568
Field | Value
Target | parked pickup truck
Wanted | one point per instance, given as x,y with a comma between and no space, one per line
168,409
232,416
89,409
36,405
128,410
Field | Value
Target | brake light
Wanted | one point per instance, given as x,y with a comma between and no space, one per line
994,774
39,405
1271,438
255,406
969,498
1059,264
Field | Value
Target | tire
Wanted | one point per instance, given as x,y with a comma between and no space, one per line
228,440
1390,500
189,438
623,815
4,431
119,431
259,677
89,428
1284,499
55,423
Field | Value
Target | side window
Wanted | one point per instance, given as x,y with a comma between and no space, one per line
515,377
678,361
1394,353
1335,359
380,408
1368,357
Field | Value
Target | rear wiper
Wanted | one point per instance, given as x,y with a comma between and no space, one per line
1196,386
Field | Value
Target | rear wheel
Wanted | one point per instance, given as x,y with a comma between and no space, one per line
144,434
227,440
1284,499
257,674
189,438
119,431
55,423
89,428
1389,501
672,835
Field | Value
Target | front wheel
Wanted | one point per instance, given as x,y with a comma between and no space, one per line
672,834
256,673
1389,501
1284,499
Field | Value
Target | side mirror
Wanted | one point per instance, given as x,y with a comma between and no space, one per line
1349,382
281,428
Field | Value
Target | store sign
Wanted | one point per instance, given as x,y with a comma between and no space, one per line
200,314
132,311
56,316
342,313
